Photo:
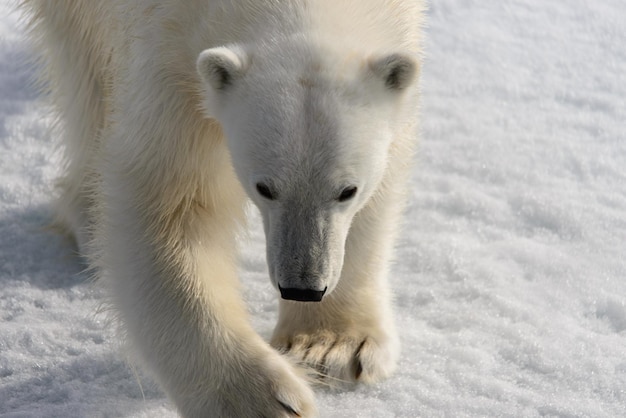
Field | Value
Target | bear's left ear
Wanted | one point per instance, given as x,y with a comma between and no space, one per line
397,71
221,67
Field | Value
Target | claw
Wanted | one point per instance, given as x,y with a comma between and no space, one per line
359,365
359,370
289,409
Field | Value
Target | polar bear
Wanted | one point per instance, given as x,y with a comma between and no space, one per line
174,114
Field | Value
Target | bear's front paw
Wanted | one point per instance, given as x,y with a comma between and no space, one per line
268,387
341,357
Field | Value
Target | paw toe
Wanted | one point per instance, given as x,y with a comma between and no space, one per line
337,359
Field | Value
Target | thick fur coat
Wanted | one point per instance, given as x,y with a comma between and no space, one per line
173,114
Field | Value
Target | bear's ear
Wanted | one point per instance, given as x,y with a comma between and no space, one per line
220,67
397,71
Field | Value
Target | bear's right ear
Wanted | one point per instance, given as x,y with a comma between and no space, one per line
220,67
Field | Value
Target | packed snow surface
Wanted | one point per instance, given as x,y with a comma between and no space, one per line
510,275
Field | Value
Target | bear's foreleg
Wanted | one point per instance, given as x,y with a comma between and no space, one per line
173,281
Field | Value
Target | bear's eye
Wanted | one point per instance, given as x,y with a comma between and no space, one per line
265,191
347,193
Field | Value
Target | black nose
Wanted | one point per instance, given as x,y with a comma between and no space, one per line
302,295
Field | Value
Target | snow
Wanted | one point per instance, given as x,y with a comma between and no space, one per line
510,271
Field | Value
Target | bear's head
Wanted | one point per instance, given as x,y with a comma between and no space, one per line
309,133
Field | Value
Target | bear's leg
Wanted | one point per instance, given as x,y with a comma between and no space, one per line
173,281
70,50
350,336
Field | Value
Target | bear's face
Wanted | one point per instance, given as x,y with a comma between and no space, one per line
309,142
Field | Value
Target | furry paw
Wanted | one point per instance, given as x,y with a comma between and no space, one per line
269,387
341,357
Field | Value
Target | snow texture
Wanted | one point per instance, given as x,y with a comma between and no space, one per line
510,276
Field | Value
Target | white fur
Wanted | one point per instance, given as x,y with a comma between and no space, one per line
173,112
